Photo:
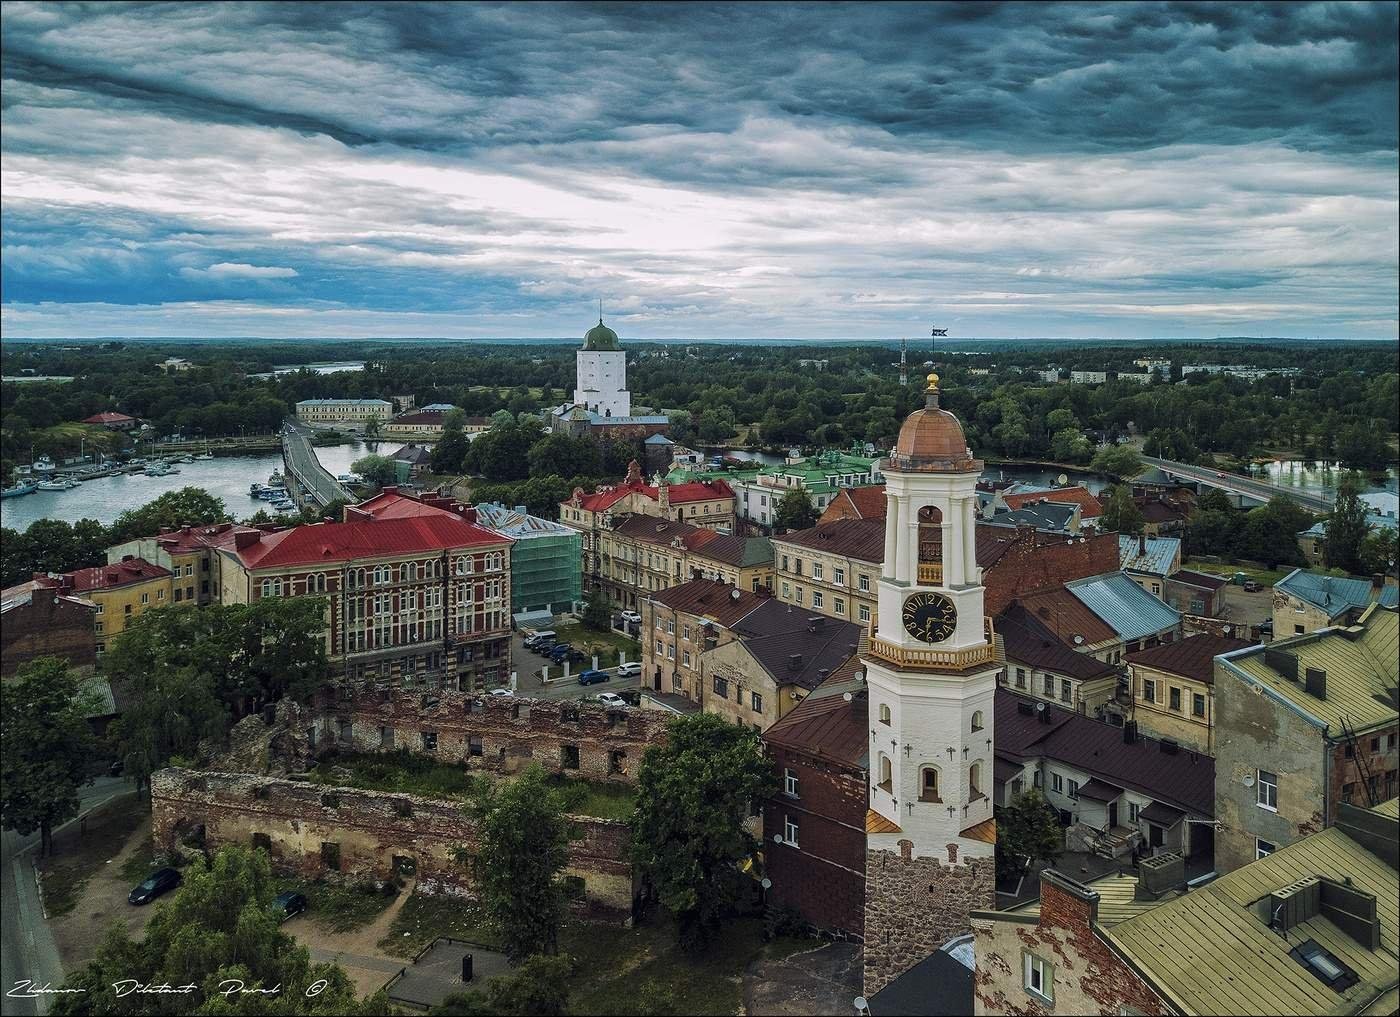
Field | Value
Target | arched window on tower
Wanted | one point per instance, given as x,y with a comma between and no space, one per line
974,782
928,784
886,774
884,713
977,720
930,534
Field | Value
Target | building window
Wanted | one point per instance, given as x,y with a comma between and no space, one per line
1049,685
886,774
722,687
1149,691
974,782
568,757
817,571
1174,698
790,831
817,598
1057,783
145,598
1074,790
429,741
1262,849
839,605
1133,810
1066,690
1267,790
789,783
1198,705
1039,978
863,583
928,784
864,613
756,702
884,713
977,720
838,576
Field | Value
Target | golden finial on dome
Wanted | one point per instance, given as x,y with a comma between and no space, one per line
932,382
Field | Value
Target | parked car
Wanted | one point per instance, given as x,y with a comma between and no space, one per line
534,639
611,699
159,882
631,616
632,667
502,692
289,904
559,651
593,677
1250,586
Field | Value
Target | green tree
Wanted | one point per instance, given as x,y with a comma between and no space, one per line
1117,461
189,506
1346,528
47,746
597,616
1378,552
795,511
563,456
1214,500
1062,419
1120,512
688,836
1270,533
523,846
454,420
538,986
375,469
373,426
219,928
1070,446
449,452
1027,828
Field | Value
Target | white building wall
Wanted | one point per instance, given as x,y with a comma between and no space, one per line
602,382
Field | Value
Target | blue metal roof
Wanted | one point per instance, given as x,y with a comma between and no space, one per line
658,439
1159,557
1123,605
1335,594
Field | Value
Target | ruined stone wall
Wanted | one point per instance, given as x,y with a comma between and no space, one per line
503,734
315,831
1086,977
913,905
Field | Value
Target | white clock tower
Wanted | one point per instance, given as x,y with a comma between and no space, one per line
931,669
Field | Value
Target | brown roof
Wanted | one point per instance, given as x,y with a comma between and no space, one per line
710,599
858,538
122,573
797,647
827,725
857,503
1161,512
1200,579
1190,658
1089,506
1031,642
876,823
1065,615
724,548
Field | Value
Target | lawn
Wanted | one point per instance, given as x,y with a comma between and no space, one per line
340,908
77,857
423,918
1262,576
591,640
642,970
414,774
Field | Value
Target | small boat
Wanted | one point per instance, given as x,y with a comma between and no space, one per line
276,479
44,465
17,490
56,485
206,454
159,470
185,459
284,505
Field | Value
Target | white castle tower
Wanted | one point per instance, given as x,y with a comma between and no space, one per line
602,374
931,673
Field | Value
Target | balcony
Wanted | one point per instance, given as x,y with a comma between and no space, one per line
931,659
930,573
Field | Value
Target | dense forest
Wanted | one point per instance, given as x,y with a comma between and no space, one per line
1344,403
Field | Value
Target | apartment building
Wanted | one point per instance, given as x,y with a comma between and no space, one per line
1307,601
832,568
416,590
682,622
121,592
1303,725
1173,689
326,412
1040,665
191,555
643,554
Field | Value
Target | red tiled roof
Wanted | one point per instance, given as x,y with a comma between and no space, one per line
1201,579
1065,615
709,599
863,539
678,494
197,538
106,417
857,503
109,577
362,539
720,547
1089,507
1190,658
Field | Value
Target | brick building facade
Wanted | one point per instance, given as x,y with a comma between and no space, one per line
38,621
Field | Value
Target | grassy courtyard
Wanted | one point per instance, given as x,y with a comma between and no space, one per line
605,644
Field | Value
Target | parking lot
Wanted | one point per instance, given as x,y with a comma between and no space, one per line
529,663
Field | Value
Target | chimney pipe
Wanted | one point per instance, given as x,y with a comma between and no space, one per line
1142,545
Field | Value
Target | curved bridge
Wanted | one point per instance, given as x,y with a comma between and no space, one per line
1245,488
313,482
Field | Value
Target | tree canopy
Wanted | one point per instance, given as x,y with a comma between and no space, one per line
795,511
46,746
1346,527
1120,512
688,836
189,506
375,469
1028,831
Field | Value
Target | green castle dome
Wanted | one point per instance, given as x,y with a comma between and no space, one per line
600,337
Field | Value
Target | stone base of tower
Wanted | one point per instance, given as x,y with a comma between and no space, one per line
915,905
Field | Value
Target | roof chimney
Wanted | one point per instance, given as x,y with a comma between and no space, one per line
1377,580
795,662
1142,545
1315,681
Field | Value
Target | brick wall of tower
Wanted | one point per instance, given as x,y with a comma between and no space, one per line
913,905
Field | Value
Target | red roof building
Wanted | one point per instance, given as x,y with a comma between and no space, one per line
415,588
111,420
856,503
1089,507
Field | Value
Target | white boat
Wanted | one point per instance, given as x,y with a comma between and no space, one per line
185,459
205,455
276,479
56,485
285,505
159,470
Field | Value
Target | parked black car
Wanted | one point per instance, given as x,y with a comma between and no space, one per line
289,904
157,883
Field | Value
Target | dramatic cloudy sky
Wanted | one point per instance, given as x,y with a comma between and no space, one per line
709,171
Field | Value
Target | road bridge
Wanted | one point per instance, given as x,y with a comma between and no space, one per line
311,480
1245,488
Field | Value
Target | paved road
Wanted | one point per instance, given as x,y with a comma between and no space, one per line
527,664
27,949
300,459
1232,483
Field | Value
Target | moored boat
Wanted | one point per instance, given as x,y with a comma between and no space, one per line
18,489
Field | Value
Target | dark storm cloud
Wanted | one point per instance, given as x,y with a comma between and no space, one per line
715,167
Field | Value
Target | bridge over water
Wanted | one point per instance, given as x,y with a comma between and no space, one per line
1245,488
312,481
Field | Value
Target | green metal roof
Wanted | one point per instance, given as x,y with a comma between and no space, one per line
600,337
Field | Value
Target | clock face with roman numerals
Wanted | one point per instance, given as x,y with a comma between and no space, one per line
931,617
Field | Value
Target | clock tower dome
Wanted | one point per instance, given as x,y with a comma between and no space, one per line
931,674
